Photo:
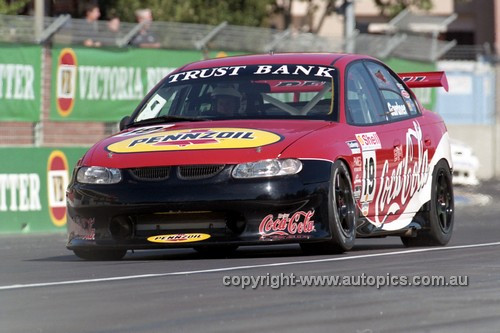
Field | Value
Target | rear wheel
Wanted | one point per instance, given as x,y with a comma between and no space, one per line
441,214
341,212
100,254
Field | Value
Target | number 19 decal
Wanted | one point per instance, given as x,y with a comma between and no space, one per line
369,176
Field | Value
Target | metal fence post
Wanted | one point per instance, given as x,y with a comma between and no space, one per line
278,38
349,26
52,28
202,43
121,42
391,44
39,18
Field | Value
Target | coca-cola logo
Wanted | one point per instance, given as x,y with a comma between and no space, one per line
285,225
407,178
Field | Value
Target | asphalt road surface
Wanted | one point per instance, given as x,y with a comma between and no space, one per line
45,288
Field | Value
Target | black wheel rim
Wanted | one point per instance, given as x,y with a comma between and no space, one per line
444,201
344,204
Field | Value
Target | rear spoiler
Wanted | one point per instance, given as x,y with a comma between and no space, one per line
425,79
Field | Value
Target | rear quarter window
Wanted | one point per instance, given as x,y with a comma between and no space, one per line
398,101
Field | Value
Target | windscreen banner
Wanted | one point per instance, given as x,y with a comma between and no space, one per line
33,195
90,84
20,78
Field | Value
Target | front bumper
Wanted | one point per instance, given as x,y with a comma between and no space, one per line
286,209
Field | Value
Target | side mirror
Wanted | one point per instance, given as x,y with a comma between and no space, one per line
124,122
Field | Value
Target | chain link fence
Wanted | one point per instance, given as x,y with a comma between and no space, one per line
397,42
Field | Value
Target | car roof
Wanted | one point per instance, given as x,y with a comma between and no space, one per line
325,59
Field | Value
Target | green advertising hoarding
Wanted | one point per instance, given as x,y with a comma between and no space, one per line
90,84
20,78
426,96
33,185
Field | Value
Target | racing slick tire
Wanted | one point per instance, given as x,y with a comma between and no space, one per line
100,254
440,216
342,214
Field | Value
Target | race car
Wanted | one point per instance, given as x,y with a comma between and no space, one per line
314,149
465,164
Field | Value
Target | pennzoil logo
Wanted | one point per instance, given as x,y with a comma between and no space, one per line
57,181
66,81
178,238
195,139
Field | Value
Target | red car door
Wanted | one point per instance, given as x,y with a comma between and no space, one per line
373,138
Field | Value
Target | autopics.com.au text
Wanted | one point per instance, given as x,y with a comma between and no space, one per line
363,280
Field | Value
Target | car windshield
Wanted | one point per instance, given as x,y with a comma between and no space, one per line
239,92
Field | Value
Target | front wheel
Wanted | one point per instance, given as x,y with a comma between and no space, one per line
97,254
441,213
341,213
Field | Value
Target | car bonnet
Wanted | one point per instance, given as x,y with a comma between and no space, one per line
185,143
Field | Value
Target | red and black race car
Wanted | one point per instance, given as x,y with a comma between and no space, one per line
315,149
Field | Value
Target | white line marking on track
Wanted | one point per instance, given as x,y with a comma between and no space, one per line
234,268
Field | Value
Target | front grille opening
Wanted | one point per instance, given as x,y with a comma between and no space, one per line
190,172
153,173
157,223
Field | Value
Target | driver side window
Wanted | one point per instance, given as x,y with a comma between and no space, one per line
363,104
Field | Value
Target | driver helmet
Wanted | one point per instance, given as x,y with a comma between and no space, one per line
227,91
